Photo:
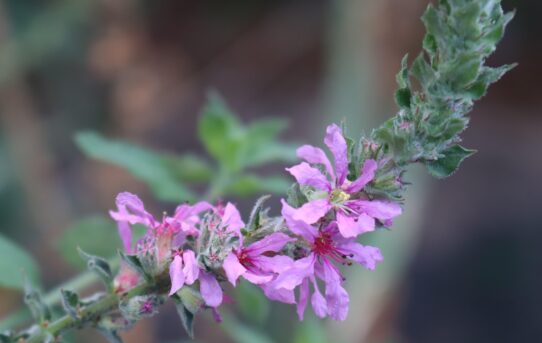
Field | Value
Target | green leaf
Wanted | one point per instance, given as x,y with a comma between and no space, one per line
188,167
32,298
98,265
294,196
14,262
96,234
192,299
236,146
252,303
254,219
221,133
70,302
402,97
134,262
187,317
402,76
146,165
252,184
449,162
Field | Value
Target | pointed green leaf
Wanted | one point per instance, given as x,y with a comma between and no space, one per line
134,262
70,302
254,219
32,298
146,165
449,162
187,317
98,265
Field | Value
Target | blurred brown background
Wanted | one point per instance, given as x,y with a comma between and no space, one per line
465,262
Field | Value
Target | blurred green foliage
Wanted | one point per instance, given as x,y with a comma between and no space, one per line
14,263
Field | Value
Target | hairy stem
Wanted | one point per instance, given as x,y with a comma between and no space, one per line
90,314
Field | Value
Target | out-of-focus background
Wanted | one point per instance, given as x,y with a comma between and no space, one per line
464,263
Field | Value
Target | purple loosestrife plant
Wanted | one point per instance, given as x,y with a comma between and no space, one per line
189,256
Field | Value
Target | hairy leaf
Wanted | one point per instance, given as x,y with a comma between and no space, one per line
449,162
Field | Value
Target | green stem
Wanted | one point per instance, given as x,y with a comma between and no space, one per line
77,284
91,313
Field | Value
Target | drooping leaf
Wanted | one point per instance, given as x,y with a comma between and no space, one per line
186,316
146,165
449,162
98,265
14,262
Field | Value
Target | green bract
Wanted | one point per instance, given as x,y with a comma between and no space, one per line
438,90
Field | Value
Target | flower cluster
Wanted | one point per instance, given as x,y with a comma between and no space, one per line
202,245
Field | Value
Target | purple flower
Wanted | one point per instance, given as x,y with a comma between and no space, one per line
326,248
185,270
167,234
354,213
252,262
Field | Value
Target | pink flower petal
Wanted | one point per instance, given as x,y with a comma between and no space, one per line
352,227
125,233
337,144
275,264
191,268
292,277
309,176
233,268
176,275
131,209
336,296
378,208
319,304
231,220
303,298
257,279
210,289
365,255
274,242
278,294
367,175
312,211
314,155
296,226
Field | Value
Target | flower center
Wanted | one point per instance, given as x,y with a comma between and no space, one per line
324,246
244,259
338,196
